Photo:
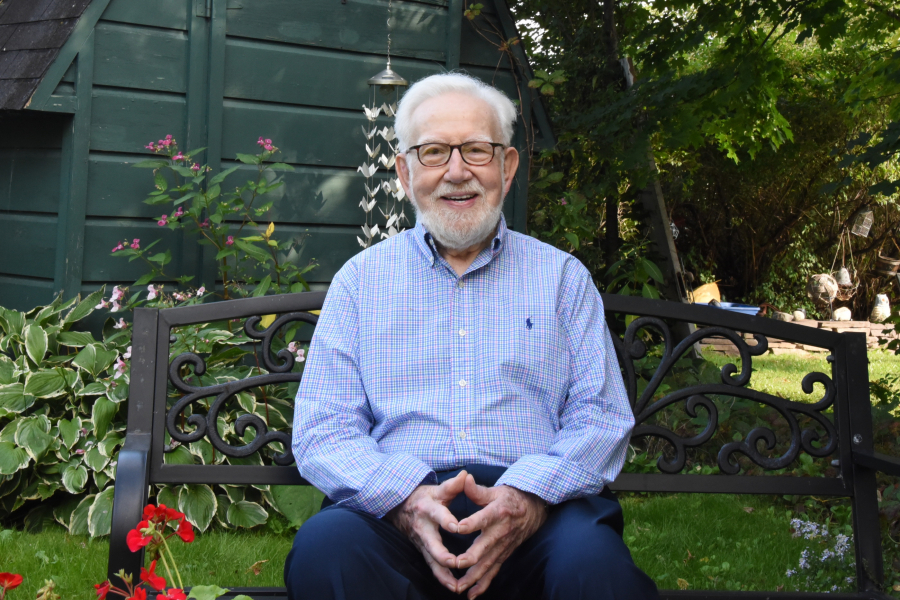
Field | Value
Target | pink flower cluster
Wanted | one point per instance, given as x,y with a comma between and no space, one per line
266,144
164,220
295,348
162,145
134,245
114,302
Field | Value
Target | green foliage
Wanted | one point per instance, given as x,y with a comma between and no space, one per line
61,419
248,265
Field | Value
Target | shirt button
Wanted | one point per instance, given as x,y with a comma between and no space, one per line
460,284
462,383
462,435
462,333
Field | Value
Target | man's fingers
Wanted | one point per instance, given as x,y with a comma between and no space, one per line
442,574
441,515
478,494
480,548
451,488
485,582
477,521
432,545
492,557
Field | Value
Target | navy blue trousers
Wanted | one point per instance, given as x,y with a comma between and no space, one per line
578,554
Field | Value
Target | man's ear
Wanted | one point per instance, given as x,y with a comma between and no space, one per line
510,165
402,168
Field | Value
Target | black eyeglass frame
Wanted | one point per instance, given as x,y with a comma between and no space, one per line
457,147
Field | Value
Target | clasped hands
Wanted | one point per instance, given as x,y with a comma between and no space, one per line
509,517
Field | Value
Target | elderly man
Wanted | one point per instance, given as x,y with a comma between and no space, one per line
462,406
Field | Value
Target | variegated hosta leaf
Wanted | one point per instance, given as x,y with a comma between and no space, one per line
198,503
167,496
102,415
74,478
33,435
69,431
246,514
12,458
13,398
35,342
78,522
95,459
45,384
100,513
7,371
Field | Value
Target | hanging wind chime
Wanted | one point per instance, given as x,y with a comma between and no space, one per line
384,88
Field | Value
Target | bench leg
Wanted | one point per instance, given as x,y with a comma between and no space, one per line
132,489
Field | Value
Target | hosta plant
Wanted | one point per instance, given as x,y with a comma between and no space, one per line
61,423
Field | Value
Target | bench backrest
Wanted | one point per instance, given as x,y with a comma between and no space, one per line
834,426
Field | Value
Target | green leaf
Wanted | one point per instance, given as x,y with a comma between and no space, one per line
33,435
650,291
100,513
198,503
179,456
74,477
160,181
35,343
75,339
253,251
248,159
246,514
7,371
12,458
78,522
69,431
153,163
92,389
108,444
102,415
573,239
86,306
44,384
222,175
15,321
13,398
652,270
297,503
206,592
167,496
94,358
95,459
263,286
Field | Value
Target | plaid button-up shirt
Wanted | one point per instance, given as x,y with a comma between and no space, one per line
413,369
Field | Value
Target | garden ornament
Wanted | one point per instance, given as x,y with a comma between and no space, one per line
863,222
822,288
881,310
782,316
843,277
799,314
842,314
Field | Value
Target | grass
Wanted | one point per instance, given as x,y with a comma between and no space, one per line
781,375
705,541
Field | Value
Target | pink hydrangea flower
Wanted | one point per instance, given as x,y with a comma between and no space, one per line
151,292
121,324
163,221
230,240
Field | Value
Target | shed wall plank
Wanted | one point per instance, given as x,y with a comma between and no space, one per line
360,25
24,294
29,180
170,14
140,58
126,121
28,245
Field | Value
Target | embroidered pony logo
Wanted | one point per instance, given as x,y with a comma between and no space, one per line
528,323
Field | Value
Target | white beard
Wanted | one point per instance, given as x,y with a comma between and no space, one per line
458,229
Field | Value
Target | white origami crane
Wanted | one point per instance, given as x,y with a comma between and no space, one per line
372,113
361,243
370,191
388,134
367,206
387,162
389,109
373,152
369,134
367,170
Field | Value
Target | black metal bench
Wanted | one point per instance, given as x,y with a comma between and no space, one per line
846,436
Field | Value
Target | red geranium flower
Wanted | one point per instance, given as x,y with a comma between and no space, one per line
136,539
9,581
186,531
102,589
139,594
174,594
155,581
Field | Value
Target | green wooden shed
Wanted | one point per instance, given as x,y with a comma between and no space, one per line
86,84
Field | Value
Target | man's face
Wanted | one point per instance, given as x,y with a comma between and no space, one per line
458,203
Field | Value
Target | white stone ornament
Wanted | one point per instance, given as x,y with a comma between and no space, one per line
842,314
881,310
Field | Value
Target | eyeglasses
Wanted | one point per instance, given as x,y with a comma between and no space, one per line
473,153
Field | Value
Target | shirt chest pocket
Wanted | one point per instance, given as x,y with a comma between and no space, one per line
533,350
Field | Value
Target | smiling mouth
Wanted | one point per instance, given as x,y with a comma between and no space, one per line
459,199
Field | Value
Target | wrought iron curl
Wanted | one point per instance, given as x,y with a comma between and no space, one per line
733,384
206,426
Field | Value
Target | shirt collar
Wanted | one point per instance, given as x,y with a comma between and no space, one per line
425,241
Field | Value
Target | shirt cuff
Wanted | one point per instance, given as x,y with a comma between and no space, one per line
392,483
552,478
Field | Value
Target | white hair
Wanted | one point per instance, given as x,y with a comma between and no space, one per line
447,83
